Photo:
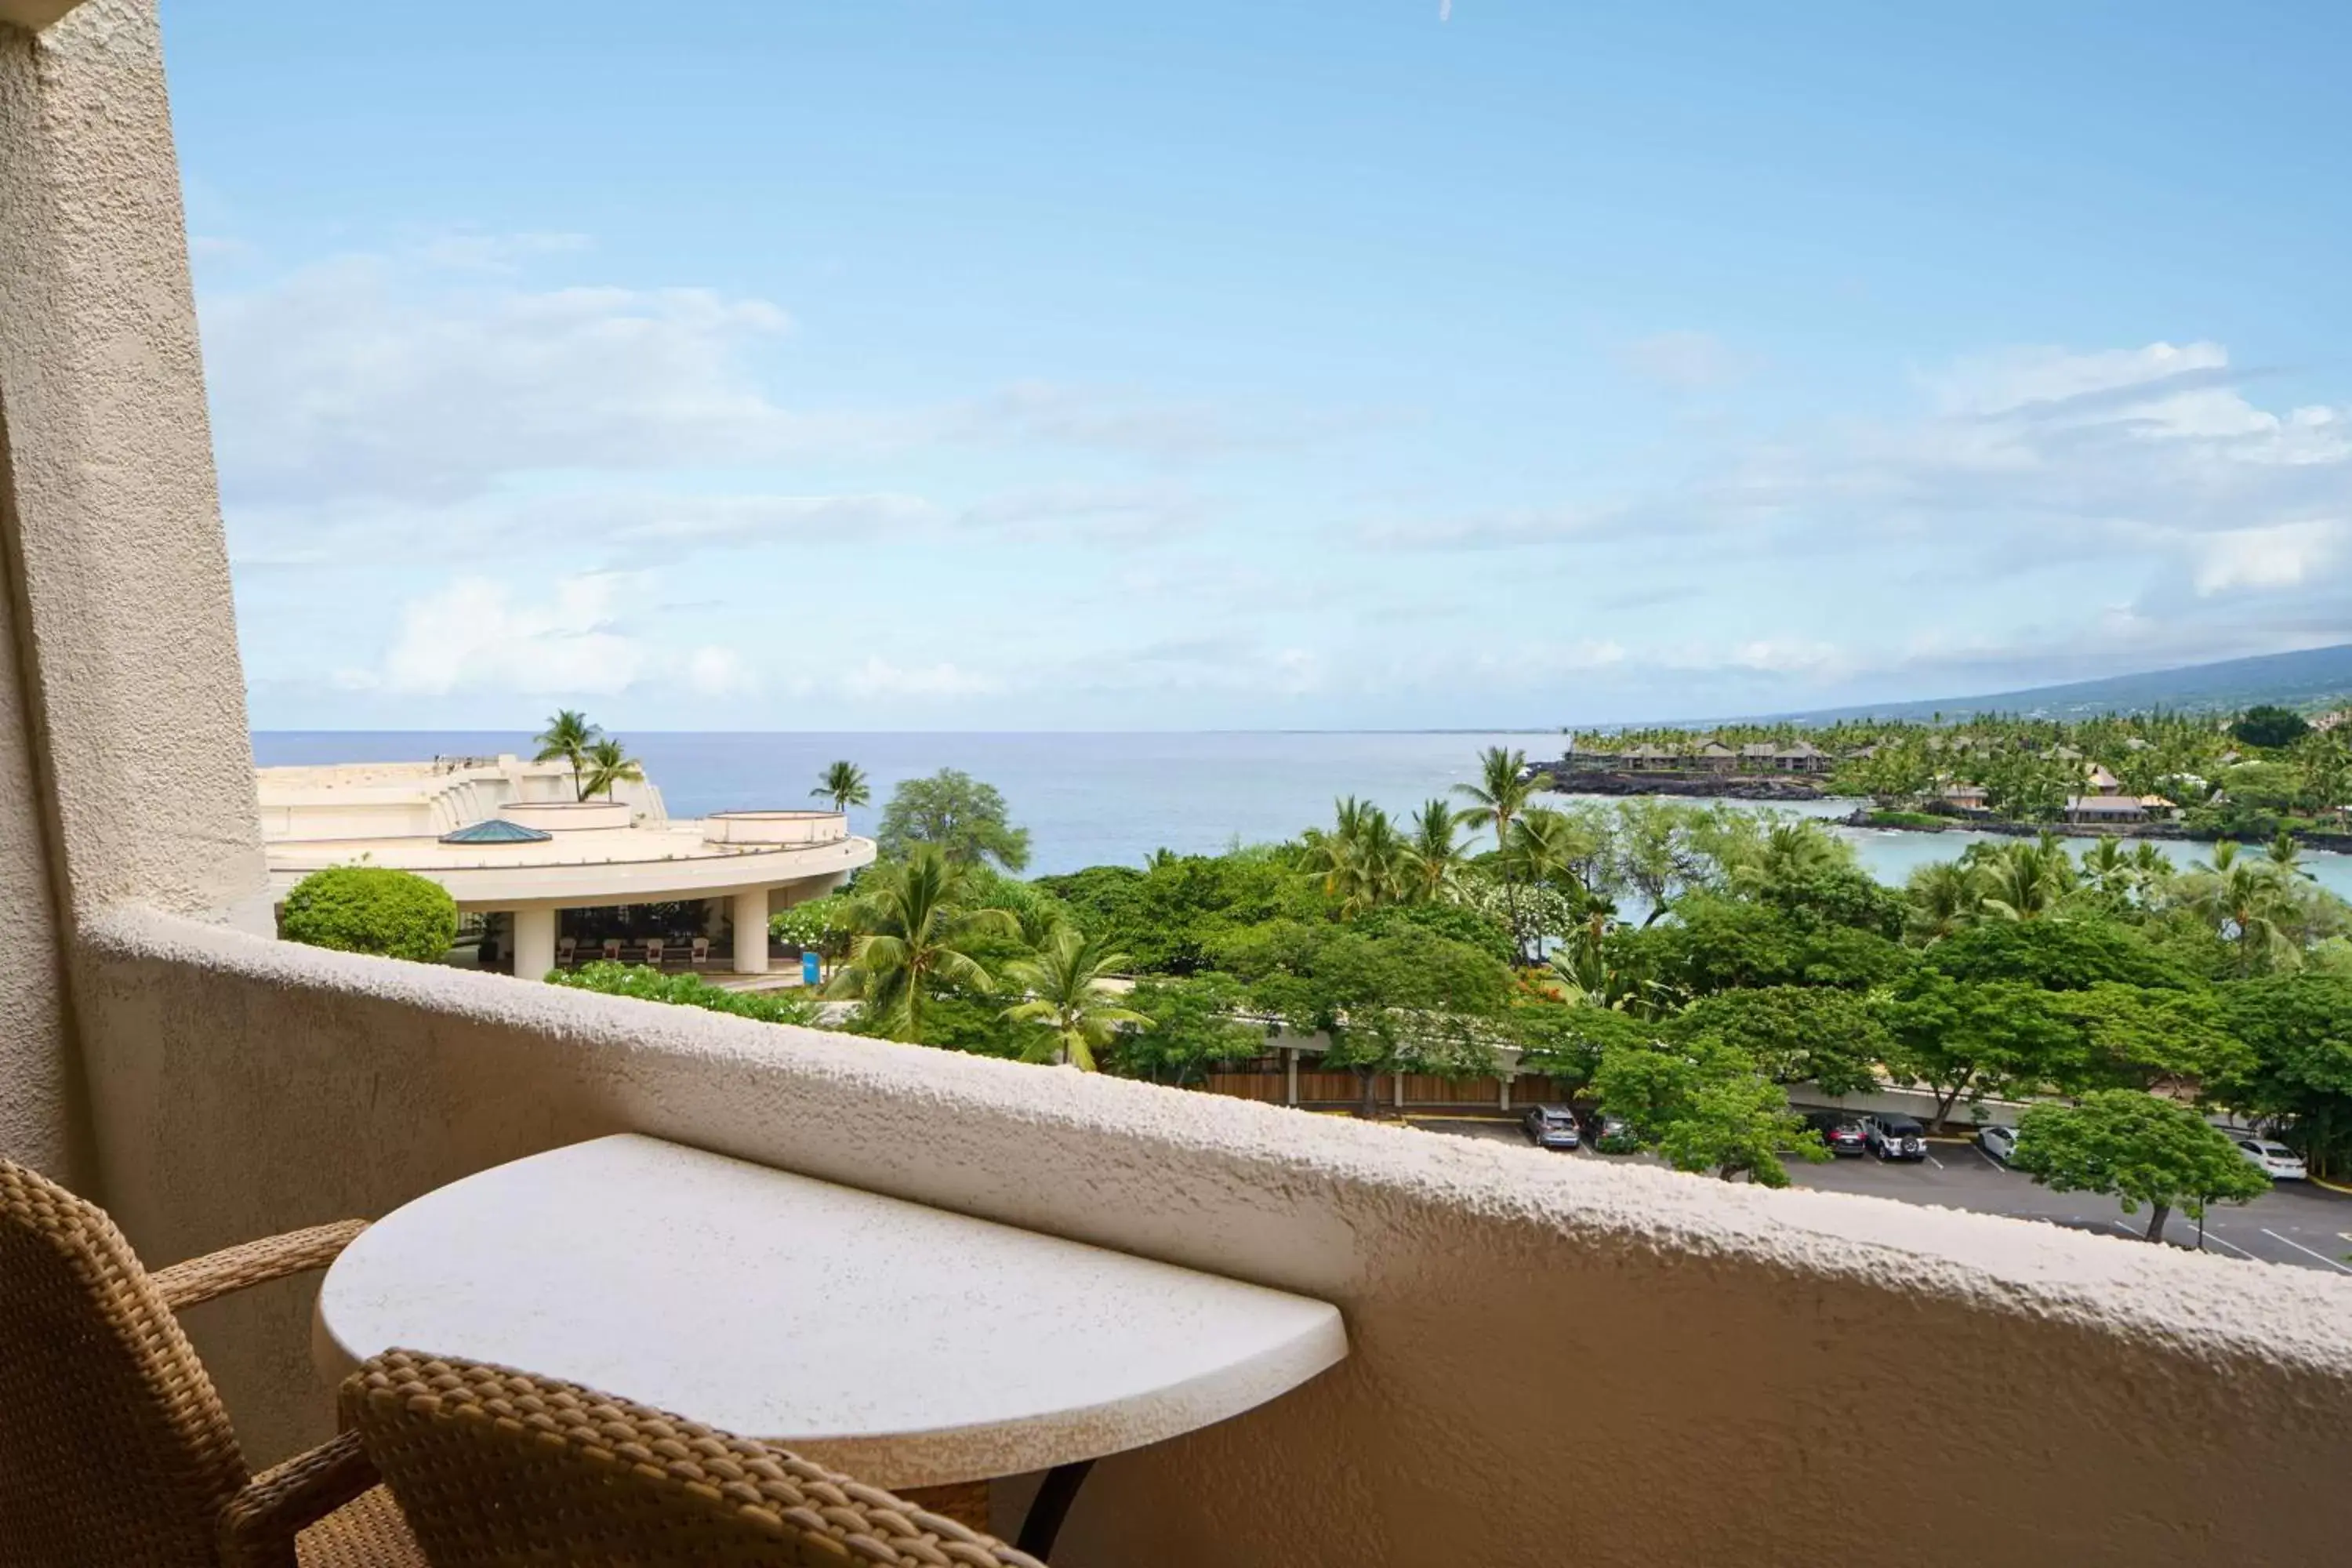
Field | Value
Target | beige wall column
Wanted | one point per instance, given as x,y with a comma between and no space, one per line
1290,1078
751,911
125,771
1503,1098
534,942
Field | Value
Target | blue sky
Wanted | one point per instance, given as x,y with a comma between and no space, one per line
1029,366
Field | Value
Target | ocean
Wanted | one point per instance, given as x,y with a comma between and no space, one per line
1091,799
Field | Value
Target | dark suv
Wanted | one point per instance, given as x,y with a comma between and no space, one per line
1550,1127
1842,1131
1896,1138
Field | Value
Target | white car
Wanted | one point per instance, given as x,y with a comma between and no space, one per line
2001,1143
2276,1160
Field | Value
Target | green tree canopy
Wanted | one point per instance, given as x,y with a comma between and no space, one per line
370,909
2055,955
1704,1106
1794,1033
1197,1021
1406,1001
2138,1148
1718,943
965,818
2269,726
1966,1039
2297,1029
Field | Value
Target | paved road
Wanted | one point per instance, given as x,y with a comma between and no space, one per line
2295,1222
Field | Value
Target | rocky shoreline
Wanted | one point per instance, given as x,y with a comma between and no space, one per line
1699,786
2338,843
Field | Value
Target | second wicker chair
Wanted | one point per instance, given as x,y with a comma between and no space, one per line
496,1467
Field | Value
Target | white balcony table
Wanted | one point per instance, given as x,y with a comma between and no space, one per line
906,1345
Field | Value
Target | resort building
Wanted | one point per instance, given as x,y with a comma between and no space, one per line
511,839
1697,1357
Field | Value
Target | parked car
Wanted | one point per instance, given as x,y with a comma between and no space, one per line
1842,1131
2001,1143
1896,1138
2276,1160
1609,1134
1551,1127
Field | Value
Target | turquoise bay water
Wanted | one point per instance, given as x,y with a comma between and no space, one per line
1105,798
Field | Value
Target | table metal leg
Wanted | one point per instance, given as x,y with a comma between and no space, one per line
1051,1506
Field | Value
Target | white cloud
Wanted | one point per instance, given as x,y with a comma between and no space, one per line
2281,556
474,633
878,678
714,672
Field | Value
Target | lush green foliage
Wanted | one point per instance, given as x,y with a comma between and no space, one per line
2138,1148
688,991
370,909
1761,958
964,818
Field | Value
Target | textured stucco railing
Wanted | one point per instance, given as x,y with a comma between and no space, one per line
775,827
1544,1352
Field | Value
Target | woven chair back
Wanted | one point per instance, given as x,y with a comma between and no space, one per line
495,1467
114,1448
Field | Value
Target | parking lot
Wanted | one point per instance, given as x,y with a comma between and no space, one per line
2297,1223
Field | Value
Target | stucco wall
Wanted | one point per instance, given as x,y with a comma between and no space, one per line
1649,1365
122,571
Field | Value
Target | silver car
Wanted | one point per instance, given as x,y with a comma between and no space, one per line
2276,1160
2001,1143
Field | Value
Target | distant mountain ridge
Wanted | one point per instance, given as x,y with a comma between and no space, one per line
2305,678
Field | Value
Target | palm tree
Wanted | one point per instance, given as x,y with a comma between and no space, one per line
1363,861
1434,853
2286,854
566,739
2026,881
843,783
1068,996
1544,844
2108,867
609,764
1500,793
2250,901
914,924
1943,896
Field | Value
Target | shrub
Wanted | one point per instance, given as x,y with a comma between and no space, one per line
372,908
649,984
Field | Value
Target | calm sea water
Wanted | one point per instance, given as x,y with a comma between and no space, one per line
1099,799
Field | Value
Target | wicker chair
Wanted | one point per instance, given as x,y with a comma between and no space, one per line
114,1450
499,1467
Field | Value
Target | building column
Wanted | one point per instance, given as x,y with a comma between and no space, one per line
1505,1098
534,943
751,911
1290,1078
1396,1079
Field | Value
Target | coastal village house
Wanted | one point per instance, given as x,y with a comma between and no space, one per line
1545,1354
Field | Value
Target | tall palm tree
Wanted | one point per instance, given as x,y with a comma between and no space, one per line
843,783
2108,867
1943,896
1067,996
1433,851
1500,793
2026,881
1544,844
2250,901
566,739
609,764
913,924
1363,861
2286,854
